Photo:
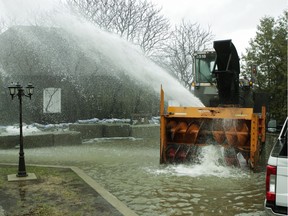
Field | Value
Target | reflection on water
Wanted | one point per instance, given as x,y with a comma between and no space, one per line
130,170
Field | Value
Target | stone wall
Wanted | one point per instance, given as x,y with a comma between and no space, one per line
41,140
145,131
78,132
90,131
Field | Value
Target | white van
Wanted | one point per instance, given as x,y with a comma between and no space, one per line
276,201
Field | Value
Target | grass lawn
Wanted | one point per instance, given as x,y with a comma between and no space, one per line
57,191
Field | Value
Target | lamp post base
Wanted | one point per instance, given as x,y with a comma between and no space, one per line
21,165
22,174
14,177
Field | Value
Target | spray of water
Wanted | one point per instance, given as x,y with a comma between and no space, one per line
128,57
119,52
210,164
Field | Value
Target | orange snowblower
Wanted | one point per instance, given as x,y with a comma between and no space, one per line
183,130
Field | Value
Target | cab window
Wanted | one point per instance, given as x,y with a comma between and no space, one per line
204,67
280,148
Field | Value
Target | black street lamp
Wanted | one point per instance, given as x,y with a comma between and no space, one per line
18,90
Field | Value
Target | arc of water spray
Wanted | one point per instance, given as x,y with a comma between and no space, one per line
127,56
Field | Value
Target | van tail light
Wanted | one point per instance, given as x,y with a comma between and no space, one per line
271,183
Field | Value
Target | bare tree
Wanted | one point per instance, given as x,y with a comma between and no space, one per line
185,40
139,22
155,30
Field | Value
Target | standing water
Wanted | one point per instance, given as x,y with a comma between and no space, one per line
130,170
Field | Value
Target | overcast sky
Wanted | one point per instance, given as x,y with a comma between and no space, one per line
228,19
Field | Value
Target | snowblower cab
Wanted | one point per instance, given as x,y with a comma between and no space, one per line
183,130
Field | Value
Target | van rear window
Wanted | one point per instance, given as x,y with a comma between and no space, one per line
283,151
280,148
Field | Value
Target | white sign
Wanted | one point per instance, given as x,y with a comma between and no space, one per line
52,100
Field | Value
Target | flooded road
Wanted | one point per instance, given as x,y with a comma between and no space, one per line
130,170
